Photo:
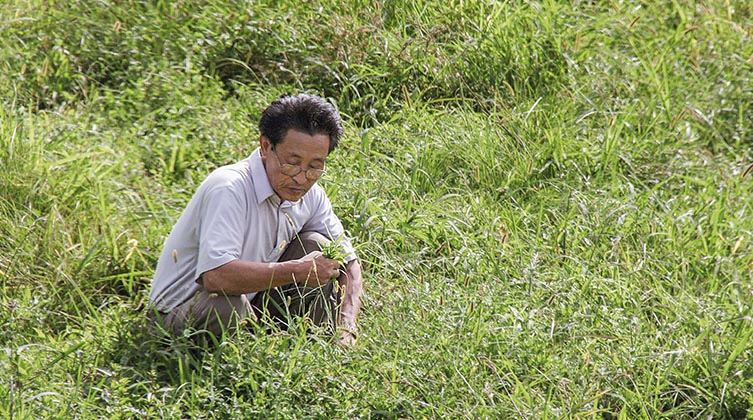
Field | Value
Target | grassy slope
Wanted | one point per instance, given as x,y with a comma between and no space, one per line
549,201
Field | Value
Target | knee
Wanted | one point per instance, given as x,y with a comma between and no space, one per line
305,243
313,241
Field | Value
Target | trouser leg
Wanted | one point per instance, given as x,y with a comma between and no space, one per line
318,304
211,312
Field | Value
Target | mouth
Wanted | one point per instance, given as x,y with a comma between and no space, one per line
296,191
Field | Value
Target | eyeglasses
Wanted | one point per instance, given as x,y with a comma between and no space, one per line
293,170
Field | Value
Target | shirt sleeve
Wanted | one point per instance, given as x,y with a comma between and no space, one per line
221,225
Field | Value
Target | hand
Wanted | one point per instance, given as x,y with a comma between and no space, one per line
347,332
347,338
321,271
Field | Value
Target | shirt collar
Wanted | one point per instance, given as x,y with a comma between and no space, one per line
262,187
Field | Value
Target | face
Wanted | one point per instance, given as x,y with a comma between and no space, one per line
299,149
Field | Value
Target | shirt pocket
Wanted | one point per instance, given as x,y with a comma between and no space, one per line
286,232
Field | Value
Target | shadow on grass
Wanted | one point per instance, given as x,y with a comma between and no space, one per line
175,360
155,355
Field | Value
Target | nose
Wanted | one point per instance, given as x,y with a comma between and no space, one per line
300,178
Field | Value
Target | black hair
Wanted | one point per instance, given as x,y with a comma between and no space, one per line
302,112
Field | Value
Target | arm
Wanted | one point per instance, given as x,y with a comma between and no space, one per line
351,289
239,277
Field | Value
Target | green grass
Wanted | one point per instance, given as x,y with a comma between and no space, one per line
548,199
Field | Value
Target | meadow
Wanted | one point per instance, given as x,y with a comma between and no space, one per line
551,200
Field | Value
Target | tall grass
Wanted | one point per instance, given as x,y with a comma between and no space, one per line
549,201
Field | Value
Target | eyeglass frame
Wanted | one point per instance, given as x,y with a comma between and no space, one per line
297,168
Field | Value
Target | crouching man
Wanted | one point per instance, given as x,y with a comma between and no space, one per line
248,243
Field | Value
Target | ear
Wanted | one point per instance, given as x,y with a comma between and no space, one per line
265,145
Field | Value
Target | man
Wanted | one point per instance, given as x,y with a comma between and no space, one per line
247,244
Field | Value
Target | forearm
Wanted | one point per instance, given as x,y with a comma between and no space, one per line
351,289
239,277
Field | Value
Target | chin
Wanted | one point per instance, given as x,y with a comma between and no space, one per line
291,197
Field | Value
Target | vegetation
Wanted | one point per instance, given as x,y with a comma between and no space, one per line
548,197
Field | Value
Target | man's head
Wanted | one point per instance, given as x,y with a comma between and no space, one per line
305,113
297,134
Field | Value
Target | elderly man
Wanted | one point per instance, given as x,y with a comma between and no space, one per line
248,243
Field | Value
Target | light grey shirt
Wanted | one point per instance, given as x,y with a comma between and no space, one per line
235,214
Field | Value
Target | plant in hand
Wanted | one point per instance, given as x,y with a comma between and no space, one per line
334,251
